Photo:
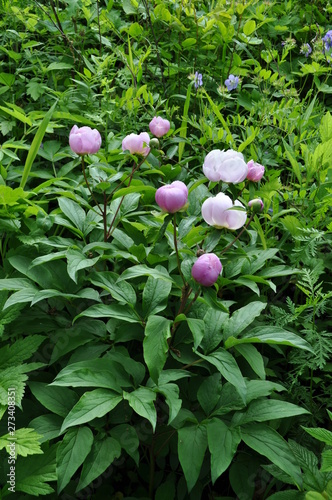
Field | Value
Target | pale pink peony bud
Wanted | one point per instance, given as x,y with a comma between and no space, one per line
84,140
137,144
255,171
172,197
227,166
256,205
219,211
206,269
159,126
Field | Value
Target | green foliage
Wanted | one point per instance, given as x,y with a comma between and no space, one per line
130,379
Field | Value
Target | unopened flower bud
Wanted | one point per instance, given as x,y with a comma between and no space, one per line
206,269
172,197
154,143
256,205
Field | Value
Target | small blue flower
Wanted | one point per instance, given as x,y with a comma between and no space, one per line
306,49
327,39
232,82
198,81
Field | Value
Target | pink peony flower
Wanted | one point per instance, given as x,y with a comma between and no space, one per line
219,211
227,166
206,269
137,144
159,126
255,171
84,140
172,197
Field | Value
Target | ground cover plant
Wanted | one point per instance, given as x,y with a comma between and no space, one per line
165,192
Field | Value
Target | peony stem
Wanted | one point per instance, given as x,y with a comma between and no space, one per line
177,251
238,236
88,186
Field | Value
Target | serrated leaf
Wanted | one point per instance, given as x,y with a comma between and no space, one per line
326,461
26,442
20,351
102,454
71,453
321,434
192,444
155,345
32,474
11,377
94,404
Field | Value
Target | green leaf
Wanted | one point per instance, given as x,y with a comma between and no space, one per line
47,426
94,404
269,443
269,335
155,295
249,27
73,211
127,438
326,461
71,453
141,400
77,261
223,442
261,388
192,444
142,270
35,145
58,400
319,433
155,346
197,328
227,366
209,392
253,357
10,197
122,291
242,318
133,189
93,373
116,311
11,377
102,454
171,394
20,350
26,442
32,474
262,410
213,321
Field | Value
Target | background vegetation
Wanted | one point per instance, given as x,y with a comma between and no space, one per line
128,382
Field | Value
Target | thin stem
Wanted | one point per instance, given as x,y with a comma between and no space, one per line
191,364
238,236
100,46
177,251
88,186
192,302
105,217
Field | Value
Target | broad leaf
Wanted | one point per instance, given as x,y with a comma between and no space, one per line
223,442
116,311
33,474
58,400
94,404
262,410
192,444
209,392
227,366
269,443
253,357
102,454
142,402
242,318
155,295
71,453
155,346
269,335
